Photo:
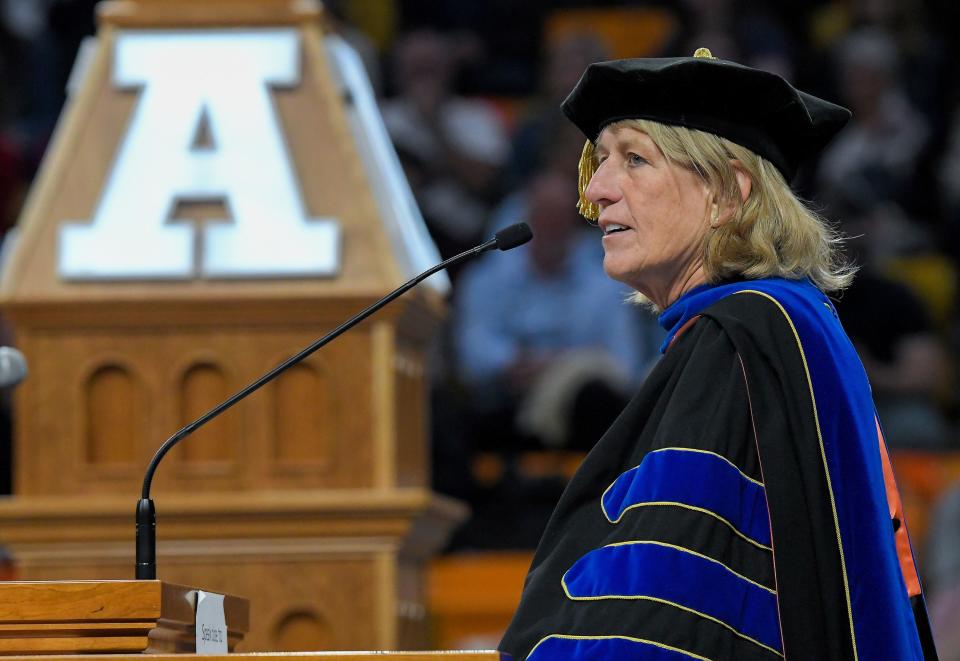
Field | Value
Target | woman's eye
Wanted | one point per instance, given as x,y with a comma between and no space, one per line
635,159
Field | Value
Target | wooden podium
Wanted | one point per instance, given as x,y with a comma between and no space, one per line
312,497
100,617
121,620
479,655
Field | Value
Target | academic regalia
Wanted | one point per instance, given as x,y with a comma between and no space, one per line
741,507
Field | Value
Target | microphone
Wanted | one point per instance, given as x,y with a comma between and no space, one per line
13,367
146,518
512,236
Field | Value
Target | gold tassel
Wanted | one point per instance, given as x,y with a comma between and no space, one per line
587,167
704,52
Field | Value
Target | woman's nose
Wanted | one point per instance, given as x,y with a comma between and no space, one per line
602,189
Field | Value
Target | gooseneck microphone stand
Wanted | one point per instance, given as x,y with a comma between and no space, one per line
146,554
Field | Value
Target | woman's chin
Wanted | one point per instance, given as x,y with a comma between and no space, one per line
618,271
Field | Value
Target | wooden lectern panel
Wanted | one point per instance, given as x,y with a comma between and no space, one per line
453,655
63,617
322,569
319,481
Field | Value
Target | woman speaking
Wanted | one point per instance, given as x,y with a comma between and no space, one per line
742,506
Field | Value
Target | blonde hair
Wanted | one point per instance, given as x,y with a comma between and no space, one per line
772,233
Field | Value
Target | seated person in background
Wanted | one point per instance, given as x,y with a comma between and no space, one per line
452,148
546,348
902,355
543,126
892,330
876,157
546,344
943,573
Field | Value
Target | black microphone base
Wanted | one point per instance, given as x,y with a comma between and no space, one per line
146,567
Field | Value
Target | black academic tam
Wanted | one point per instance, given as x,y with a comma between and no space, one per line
753,108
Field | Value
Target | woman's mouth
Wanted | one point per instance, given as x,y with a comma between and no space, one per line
613,228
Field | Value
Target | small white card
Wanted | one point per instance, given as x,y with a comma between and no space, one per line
211,624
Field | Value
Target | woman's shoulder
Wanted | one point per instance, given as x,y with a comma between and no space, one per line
763,315
771,315
794,302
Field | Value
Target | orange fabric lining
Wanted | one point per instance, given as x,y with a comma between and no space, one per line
904,552
683,329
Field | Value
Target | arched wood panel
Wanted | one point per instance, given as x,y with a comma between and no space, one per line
203,385
113,416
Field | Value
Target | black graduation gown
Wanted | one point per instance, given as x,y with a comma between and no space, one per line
704,524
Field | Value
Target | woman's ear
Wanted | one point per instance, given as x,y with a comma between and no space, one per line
743,179
722,211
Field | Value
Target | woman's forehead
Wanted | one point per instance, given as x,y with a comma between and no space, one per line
622,132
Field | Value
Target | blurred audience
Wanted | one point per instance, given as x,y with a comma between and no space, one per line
873,160
894,334
942,574
711,23
544,138
452,148
547,350
541,351
553,377
949,180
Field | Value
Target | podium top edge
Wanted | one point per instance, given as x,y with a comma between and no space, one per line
32,603
210,13
451,655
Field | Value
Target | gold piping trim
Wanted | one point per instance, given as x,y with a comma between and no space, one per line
630,638
695,509
691,552
756,442
603,507
823,456
675,605
718,456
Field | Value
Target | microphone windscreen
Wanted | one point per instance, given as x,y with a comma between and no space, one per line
13,367
513,236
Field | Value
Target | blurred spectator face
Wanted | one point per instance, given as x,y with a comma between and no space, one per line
554,220
710,28
863,88
876,235
25,19
424,62
766,43
778,63
708,10
564,148
567,60
875,11
868,60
